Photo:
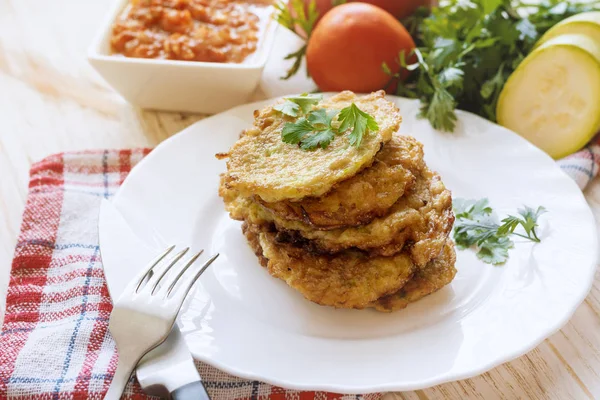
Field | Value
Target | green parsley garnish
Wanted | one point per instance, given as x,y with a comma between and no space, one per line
294,104
317,128
467,49
360,122
288,108
477,225
314,130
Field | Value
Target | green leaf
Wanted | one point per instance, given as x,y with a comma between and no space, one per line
482,44
283,16
307,22
471,208
306,101
298,7
509,224
440,110
445,50
359,121
297,56
469,232
294,132
296,17
322,117
476,225
491,90
288,108
495,250
314,130
487,89
528,220
294,104
451,76
319,139
489,6
462,207
505,31
530,217
386,69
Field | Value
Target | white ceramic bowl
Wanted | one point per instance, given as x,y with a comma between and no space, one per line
190,86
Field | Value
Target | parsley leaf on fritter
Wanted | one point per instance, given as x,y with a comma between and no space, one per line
358,120
305,101
294,132
288,108
319,139
311,132
294,104
316,129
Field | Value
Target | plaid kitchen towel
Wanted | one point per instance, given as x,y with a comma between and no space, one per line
583,166
54,342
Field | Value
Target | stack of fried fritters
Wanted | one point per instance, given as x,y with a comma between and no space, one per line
347,226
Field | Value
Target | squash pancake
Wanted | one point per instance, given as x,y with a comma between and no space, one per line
422,219
261,164
349,279
365,196
437,274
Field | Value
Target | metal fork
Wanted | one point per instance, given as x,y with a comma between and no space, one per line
145,313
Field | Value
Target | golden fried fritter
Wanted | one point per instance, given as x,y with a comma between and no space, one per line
422,218
437,274
365,196
261,164
349,279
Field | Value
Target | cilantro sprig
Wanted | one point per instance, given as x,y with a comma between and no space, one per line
318,127
477,225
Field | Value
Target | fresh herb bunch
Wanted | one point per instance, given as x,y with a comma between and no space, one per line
297,18
318,127
467,49
477,225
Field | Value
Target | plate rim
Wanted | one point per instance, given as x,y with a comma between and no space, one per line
480,368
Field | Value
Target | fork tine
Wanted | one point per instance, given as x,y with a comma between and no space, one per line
152,265
190,282
185,268
175,260
154,281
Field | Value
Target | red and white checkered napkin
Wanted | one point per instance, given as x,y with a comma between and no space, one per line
54,343
583,166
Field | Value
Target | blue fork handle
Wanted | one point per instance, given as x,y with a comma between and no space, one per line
191,391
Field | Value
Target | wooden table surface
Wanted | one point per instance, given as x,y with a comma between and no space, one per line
51,101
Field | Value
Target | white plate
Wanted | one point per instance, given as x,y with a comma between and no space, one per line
246,323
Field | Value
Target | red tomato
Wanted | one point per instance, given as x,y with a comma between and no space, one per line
349,45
